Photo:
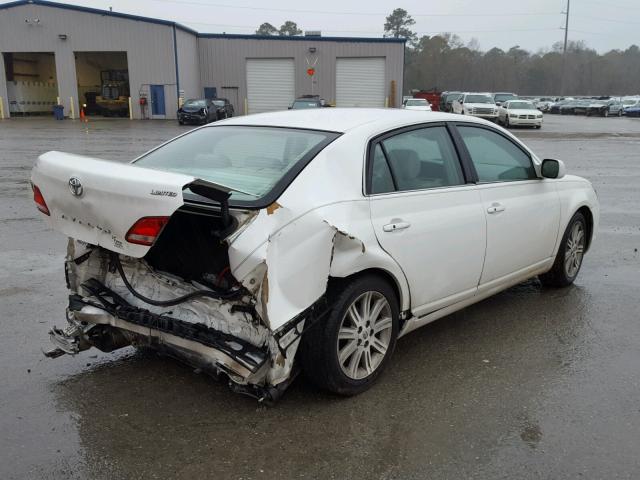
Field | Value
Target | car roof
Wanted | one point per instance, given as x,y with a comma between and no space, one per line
342,120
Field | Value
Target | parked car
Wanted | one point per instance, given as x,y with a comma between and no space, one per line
198,111
544,104
447,99
476,105
606,108
555,107
519,113
630,102
569,108
307,101
633,111
582,106
416,104
502,97
223,108
236,248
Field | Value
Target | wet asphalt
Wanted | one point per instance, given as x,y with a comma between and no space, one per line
530,384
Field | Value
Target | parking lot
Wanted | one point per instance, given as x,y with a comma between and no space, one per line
532,383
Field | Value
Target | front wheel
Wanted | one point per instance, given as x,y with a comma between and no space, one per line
346,353
570,254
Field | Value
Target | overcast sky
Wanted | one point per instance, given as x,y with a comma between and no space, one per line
532,24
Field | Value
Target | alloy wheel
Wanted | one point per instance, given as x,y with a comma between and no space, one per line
364,335
574,250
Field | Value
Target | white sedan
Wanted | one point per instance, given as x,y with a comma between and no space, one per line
263,245
416,104
519,113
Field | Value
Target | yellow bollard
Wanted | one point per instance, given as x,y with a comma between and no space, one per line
130,110
72,112
1,108
246,107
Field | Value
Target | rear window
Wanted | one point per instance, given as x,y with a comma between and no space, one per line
305,104
416,103
251,160
195,103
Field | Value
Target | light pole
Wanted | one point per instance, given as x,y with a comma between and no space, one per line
564,50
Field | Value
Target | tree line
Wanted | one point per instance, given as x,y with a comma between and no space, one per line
445,62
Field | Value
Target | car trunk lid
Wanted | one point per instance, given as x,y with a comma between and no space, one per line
98,201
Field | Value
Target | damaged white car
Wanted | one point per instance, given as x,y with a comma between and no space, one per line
265,245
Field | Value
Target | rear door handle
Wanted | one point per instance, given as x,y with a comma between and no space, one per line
495,208
392,227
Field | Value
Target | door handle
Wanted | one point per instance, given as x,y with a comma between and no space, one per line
392,227
496,208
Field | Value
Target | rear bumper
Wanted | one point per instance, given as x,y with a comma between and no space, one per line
191,118
197,344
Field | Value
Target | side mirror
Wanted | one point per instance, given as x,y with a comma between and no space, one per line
553,168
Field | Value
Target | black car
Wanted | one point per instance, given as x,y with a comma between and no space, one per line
446,99
200,111
308,101
223,108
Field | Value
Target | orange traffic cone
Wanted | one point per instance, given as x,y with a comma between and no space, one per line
82,115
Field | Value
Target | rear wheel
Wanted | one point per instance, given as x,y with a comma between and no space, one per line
346,353
570,254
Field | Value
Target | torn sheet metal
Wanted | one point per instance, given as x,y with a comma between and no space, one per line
298,263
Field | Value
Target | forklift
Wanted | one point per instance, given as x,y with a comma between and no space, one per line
114,93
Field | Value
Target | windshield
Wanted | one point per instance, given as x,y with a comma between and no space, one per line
418,102
195,103
478,99
630,101
521,106
218,103
305,104
504,97
249,159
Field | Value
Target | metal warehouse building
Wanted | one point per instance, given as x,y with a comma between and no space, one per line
53,52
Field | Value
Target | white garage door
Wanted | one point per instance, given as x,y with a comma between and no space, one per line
360,82
270,84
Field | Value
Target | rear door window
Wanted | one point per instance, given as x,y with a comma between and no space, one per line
423,158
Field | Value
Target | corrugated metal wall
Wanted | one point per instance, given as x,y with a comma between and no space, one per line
223,63
149,47
188,64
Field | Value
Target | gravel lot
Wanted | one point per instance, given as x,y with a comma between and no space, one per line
532,383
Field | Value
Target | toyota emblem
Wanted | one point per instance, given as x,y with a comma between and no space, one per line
75,186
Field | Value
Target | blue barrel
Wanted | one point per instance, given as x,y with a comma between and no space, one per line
58,112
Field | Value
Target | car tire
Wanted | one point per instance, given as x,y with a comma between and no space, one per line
570,255
605,114
180,122
507,124
620,113
350,335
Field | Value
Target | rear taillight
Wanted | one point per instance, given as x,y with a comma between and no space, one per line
146,230
39,199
